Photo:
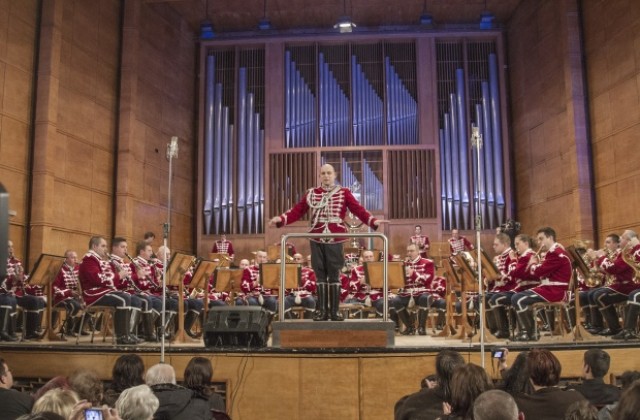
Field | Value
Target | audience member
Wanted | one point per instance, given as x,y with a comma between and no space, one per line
176,402
137,403
128,371
54,383
548,401
467,383
430,381
581,410
629,405
596,365
13,403
515,380
88,386
496,405
57,400
45,415
197,377
427,403
626,379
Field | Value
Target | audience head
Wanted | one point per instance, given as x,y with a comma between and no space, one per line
628,377
137,403
198,374
128,371
160,373
544,368
6,378
581,410
629,403
596,363
430,381
57,382
517,379
467,383
495,405
87,385
45,415
446,362
57,400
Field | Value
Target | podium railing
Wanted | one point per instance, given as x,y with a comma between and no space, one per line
385,259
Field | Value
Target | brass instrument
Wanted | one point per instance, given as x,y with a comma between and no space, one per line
628,258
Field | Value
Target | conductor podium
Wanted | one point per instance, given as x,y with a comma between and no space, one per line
236,326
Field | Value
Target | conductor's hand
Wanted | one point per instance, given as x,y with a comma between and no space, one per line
275,221
379,222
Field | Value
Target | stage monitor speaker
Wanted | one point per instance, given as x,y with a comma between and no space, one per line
236,326
4,230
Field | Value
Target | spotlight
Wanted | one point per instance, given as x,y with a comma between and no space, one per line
344,24
425,17
264,24
487,20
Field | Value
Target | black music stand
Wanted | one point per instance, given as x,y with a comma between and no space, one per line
373,274
228,280
179,265
270,276
43,274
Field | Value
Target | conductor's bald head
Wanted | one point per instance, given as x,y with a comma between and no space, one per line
327,175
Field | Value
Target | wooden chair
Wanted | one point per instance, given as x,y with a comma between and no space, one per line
106,327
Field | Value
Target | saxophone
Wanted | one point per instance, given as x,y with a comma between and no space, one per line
628,258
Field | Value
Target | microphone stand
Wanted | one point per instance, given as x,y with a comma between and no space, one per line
476,141
172,151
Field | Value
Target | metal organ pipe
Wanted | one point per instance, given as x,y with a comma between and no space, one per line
455,158
487,140
464,149
216,155
497,136
208,145
249,162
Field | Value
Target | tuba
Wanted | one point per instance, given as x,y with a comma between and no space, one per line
628,258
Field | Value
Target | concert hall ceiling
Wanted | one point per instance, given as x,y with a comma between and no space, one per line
244,15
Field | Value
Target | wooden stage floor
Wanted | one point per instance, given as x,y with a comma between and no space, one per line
296,383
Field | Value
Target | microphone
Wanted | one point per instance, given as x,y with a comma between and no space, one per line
172,148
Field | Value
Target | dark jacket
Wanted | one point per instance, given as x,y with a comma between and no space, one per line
549,403
14,404
178,403
597,392
425,404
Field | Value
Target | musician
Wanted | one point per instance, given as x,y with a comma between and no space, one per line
520,280
305,293
329,204
256,295
123,281
505,262
458,243
67,293
421,241
361,292
148,284
223,246
30,298
631,247
617,284
420,286
193,306
554,273
8,304
149,238
98,279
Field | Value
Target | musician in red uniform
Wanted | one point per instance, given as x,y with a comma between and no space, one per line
420,286
458,243
223,246
302,296
421,241
98,279
8,302
256,295
328,204
617,284
67,294
361,292
496,319
30,298
554,272
519,281
630,249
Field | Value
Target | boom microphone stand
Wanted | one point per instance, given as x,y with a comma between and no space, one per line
172,152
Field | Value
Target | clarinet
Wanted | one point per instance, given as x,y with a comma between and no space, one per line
128,278
147,278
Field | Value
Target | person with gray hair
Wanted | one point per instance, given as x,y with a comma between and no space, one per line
496,405
137,403
176,402
630,246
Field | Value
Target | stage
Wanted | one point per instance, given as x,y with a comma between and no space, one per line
306,383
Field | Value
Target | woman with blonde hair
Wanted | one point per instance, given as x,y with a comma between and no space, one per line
58,400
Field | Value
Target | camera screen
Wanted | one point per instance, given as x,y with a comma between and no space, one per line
498,354
93,414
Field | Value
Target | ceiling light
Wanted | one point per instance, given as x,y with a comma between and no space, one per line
425,17
264,24
344,23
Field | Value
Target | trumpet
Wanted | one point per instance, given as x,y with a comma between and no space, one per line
631,262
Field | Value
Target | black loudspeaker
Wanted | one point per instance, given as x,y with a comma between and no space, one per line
236,326
4,230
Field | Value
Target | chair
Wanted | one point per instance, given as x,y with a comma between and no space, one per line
107,313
